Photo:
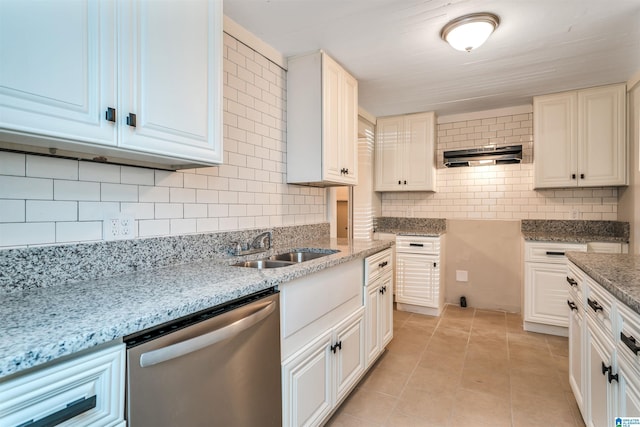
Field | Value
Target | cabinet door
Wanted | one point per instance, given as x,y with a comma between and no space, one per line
388,154
600,393
170,78
350,357
629,392
417,279
349,144
385,310
577,327
331,122
372,314
555,140
418,157
57,77
307,384
545,298
601,136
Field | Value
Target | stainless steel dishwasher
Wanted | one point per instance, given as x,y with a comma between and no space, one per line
219,367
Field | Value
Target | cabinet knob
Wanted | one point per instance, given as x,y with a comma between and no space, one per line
405,182
381,291
594,305
110,114
572,282
399,182
573,176
581,176
131,120
572,305
346,171
434,264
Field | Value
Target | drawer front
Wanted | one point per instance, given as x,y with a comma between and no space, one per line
599,305
418,244
378,264
74,386
575,282
550,252
628,341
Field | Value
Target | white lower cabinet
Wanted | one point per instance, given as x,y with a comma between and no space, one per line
604,366
83,391
319,376
419,286
378,304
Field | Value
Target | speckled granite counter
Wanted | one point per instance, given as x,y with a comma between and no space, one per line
617,273
42,324
575,231
429,227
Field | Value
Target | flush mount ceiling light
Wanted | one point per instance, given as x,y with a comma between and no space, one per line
469,31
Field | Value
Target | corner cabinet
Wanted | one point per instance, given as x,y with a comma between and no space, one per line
322,122
112,81
405,153
580,138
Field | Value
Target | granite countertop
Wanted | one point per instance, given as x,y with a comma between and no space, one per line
412,232
42,324
570,237
617,273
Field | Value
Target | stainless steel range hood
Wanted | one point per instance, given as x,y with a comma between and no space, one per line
483,156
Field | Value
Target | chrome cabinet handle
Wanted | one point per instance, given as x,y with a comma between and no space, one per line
173,351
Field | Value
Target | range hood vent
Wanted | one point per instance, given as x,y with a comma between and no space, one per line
483,156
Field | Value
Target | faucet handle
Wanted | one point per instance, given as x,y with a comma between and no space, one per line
236,248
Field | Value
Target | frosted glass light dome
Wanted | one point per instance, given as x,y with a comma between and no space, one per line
468,32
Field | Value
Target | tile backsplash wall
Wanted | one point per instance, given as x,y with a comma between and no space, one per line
501,191
51,200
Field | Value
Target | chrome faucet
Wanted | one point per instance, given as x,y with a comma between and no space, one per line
261,243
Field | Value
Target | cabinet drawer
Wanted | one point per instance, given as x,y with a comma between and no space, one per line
628,341
550,252
91,386
575,281
598,305
378,264
418,244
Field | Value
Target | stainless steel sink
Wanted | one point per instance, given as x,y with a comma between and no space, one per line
283,260
263,263
298,256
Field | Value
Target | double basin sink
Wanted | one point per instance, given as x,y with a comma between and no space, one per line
283,260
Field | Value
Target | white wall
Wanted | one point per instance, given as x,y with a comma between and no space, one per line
49,200
497,192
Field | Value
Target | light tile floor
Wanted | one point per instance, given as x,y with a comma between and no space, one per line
467,367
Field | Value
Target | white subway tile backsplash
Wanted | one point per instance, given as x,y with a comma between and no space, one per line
96,211
153,227
78,231
50,167
99,172
182,195
12,210
14,187
140,176
191,180
27,233
118,192
76,190
193,210
169,179
45,210
183,226
204,225
12,163
153,194
169,210
139,210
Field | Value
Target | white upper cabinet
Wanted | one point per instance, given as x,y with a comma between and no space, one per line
579,138
130,81
322,122
405,153
57,77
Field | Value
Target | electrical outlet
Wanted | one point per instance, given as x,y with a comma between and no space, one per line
575,214
118,227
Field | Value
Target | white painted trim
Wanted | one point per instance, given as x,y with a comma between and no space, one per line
477,115
633,81
243,35
367,115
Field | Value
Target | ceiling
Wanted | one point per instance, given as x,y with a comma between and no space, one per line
393,47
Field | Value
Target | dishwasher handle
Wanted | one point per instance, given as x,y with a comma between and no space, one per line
173,351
